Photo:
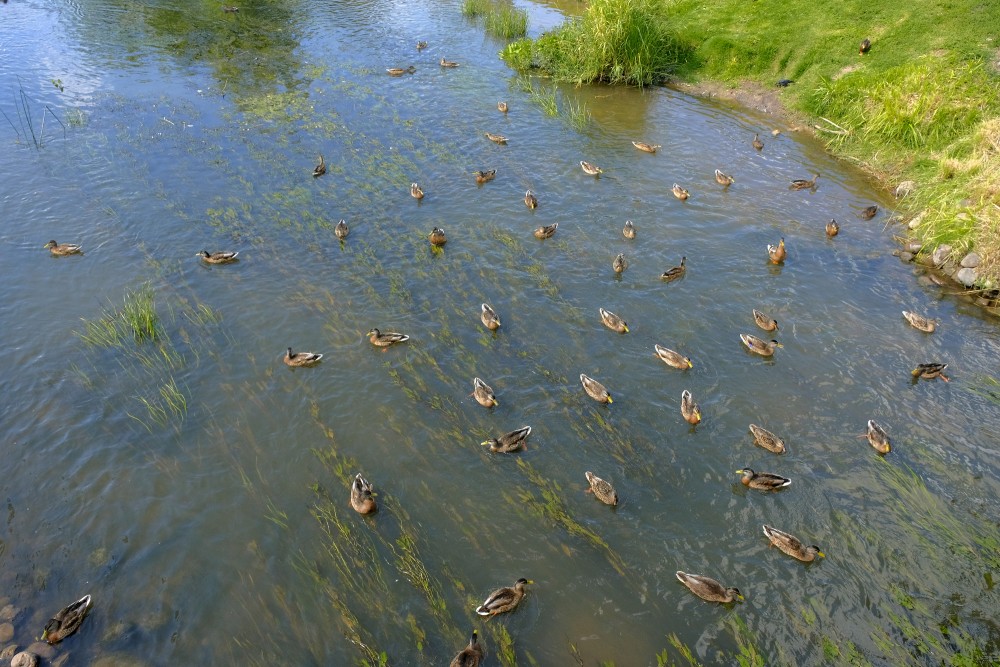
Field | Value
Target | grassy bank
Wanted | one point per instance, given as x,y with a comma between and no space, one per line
923,104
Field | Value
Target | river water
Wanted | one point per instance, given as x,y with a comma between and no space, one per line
197,487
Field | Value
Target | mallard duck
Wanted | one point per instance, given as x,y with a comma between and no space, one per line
595,389
792,546
66,621
671,358
228,9
602,489
613,322
878,438
723,179
920,322
803,184
689,409
341,230
416,192
709,589
437,237
757,143
400,71
490,318
471,655
503,599
448,63
301,358
362,499
628,231
619,264
758,346
221,257
61,249
496,138
546,231
502,107
646,148
680,192
509,442
590,168
767,440
866,44
421,46
320,169
530,200
379,339
930,371
777,253
868,212
764,481
485,176
675,272
483,393
832,228
764,322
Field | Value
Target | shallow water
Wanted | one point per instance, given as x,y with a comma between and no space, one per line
220,532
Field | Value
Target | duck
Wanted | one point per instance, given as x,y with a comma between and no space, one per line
400,71
613,322
777,253
421,45
546,231
784,83
792,546
920,322
689,409
437,237
341,230
758,346
485,176
865,46
709,589
765,481
299,359
590,168
509,442
868,212
320,169
723,179
675,272
496,138
757,143
362,499
803,184
232,9
490,318
448,63
483,394
601,489
416,192
878,438
628,231
379,339
61,249
471,655
530,200
930,371
764,322
671,358
502,107
504,599
767,440
832,228
680,192
595,389
646,148
66,621
221,257
619,264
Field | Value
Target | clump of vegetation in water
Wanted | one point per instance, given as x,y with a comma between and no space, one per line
136,320
501,18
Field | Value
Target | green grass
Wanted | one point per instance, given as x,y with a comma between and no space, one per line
501,19
136,320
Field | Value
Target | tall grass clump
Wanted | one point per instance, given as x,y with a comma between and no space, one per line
136,320
505,21
474,8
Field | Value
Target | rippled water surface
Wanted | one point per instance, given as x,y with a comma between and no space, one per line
197,487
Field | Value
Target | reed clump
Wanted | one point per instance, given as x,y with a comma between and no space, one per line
136,320
501,19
